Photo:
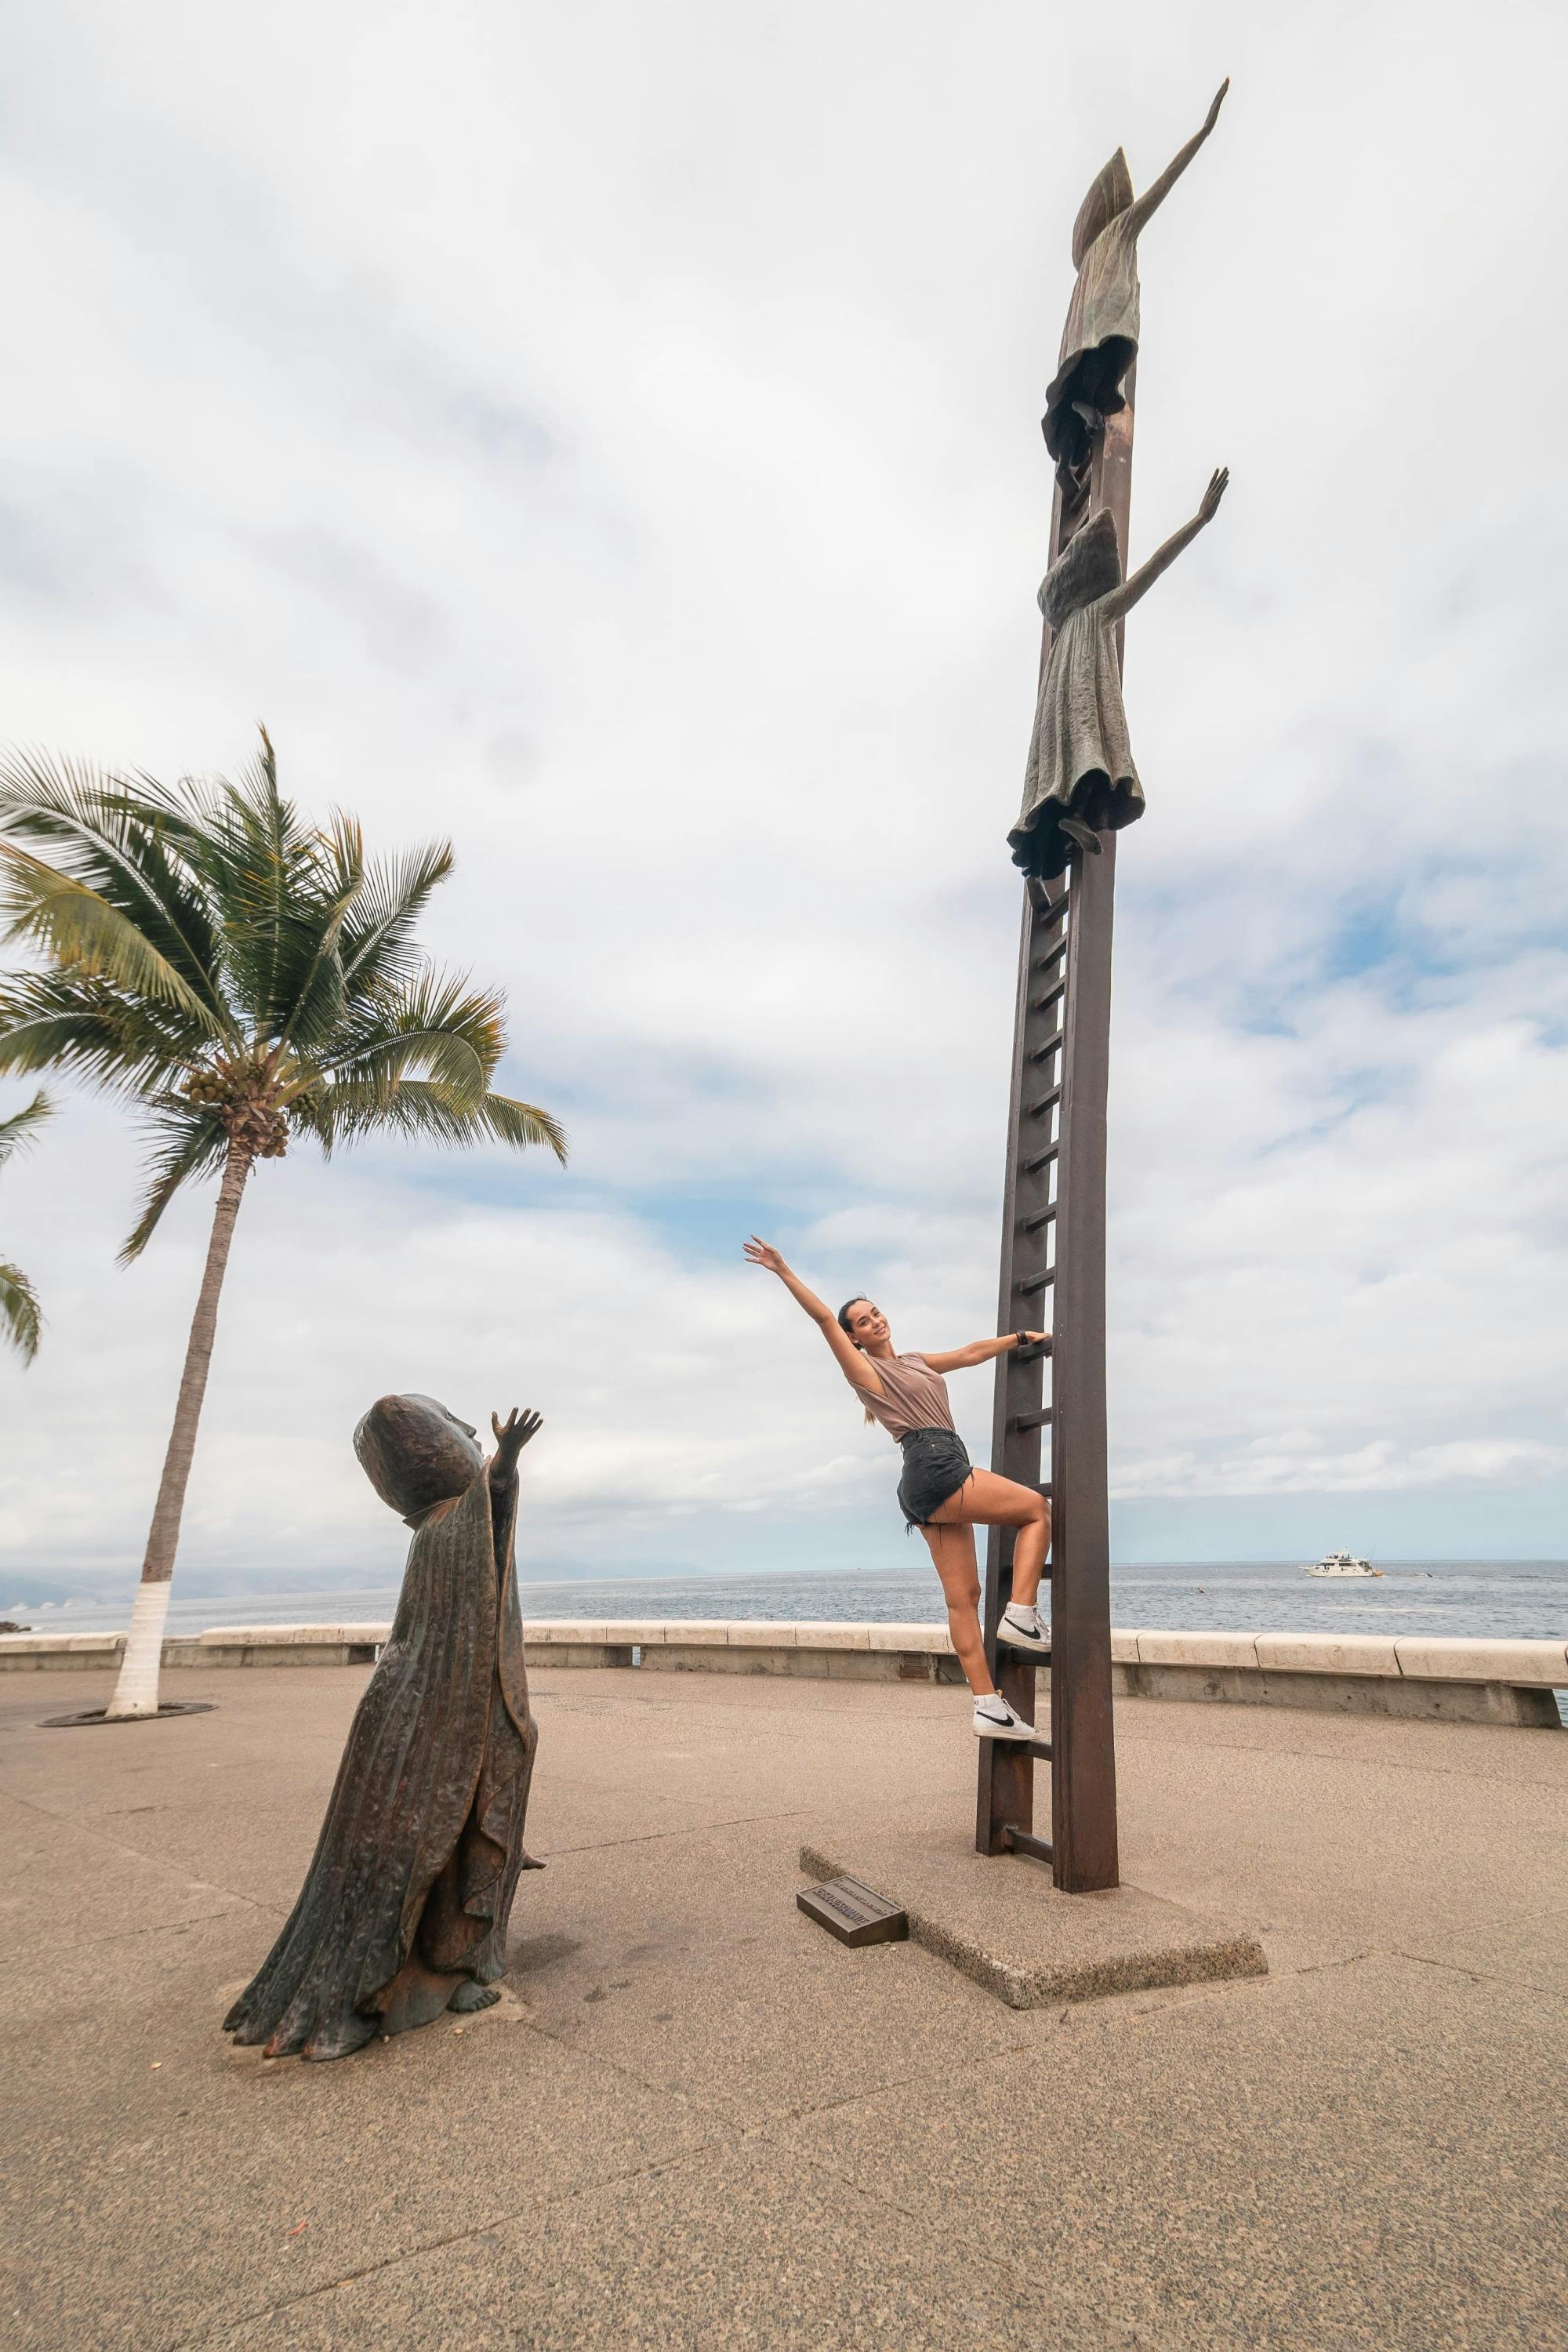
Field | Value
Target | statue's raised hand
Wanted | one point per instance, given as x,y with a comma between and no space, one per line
1213,115
1208,506
512,1436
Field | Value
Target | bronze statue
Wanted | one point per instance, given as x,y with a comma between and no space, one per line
1080,780
1099,341
404,1907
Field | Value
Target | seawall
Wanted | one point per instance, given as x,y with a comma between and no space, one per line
1442,1679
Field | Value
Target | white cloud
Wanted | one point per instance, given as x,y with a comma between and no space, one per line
610,437
1383,1466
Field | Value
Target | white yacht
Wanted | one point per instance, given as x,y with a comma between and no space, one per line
1343,1563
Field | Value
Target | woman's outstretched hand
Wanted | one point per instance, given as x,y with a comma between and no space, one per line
512,1434
763,1254
1208,505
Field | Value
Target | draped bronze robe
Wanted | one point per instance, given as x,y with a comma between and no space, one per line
1080,761
410,1891
1099,339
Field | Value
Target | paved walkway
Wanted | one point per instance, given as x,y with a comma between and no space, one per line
701,2123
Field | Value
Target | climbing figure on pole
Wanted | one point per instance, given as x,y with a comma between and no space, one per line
1100,341
941,1492
1080,780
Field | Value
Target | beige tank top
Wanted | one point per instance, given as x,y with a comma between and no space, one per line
913,1396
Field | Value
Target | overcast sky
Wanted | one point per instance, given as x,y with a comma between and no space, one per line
608,434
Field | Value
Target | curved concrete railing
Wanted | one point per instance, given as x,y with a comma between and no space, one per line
1449,1678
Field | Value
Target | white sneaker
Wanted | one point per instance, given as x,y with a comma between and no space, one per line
1023,1629
995,1719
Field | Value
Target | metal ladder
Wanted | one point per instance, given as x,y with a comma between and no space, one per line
1053,1253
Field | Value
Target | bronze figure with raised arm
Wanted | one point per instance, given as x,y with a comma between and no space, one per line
1080,780
1099,341
405,1905
940,1492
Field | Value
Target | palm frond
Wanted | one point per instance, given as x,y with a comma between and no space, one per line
378,947
76,1023
21,1319
72,924
318,989
522,1124
352,1110
129,845
17,1131
191,1142
283,895
434,1025
257,828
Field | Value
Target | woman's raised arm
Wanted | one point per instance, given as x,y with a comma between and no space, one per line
1121,600
979,1351
854,1367
1154,194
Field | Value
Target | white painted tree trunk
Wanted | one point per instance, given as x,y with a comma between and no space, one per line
136,1690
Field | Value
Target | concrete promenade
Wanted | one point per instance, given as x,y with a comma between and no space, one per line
697,2121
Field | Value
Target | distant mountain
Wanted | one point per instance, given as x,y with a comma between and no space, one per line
21,1590
22,1593
105,1586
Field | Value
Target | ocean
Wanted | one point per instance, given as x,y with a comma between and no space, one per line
1492,1599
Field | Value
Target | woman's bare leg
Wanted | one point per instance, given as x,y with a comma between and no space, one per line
953,1551
986,1501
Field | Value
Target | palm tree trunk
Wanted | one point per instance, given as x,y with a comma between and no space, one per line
136,1692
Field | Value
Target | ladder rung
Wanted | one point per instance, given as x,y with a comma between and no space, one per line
1051,956
1038,1053
1037,1281
1026,1841
1021,1420
1041,1160
1033,1224
1040,1747
1048,910
1049,998
1036,1348
1043,1103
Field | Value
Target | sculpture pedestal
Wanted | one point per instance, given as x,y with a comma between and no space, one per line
999,1919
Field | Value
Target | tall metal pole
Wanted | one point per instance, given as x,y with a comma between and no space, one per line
1053,1250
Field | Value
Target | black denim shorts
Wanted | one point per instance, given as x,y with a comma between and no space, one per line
936,1465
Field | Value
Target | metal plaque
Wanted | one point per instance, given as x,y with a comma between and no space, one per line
854,1913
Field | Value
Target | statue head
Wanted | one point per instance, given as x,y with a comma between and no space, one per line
1091,567
1111,193
416,1453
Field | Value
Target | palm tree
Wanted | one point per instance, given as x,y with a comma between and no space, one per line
20,1320
241,978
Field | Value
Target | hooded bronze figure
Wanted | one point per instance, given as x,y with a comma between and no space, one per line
1100,341
1080,780
404,1908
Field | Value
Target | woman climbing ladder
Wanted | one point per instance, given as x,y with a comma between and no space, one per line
940,1492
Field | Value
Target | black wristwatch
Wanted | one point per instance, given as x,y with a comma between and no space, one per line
1022,1339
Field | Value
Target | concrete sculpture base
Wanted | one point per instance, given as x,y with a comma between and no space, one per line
1000,1920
